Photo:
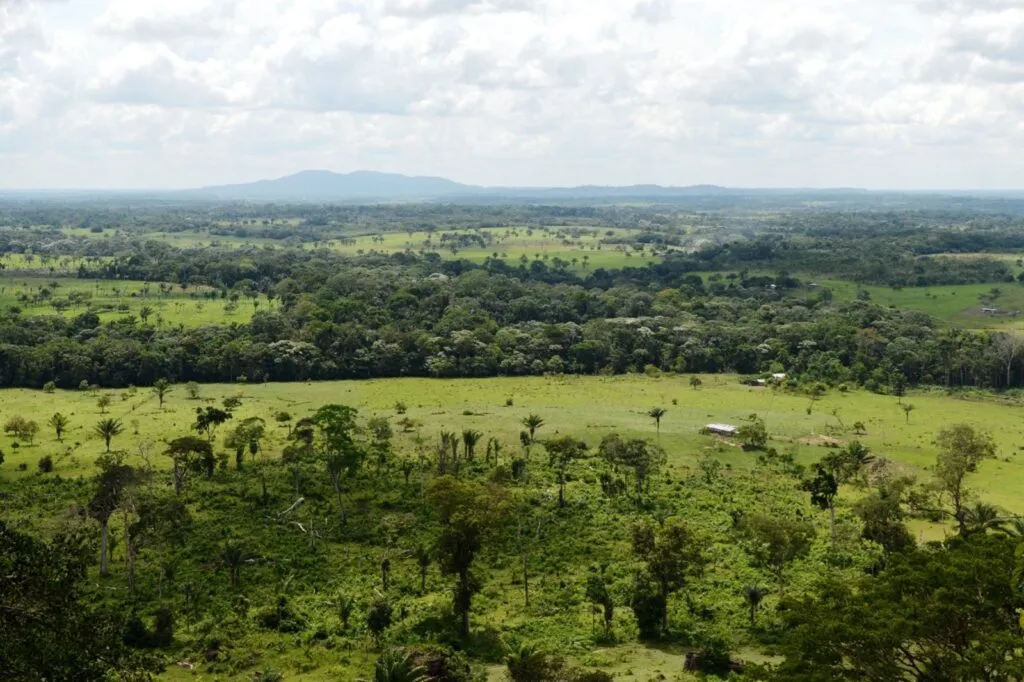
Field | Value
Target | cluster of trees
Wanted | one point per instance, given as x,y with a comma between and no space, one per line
401,321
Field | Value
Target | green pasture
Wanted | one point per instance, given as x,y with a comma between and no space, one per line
115,299
512,244
55,266
958,305
582,252
585,407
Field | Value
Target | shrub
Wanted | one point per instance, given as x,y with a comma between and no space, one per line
46,464
49,387
163,628
378,618
280,617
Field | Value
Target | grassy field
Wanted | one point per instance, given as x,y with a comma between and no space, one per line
511,244
585,407
114,299
959,305
55,266
585,251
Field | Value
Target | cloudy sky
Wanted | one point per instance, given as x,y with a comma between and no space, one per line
870,93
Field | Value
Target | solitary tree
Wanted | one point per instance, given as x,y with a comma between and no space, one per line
824,488
907,409
468,512
208,420
564,451
961,451
695,382
161,387
754,595
532,422
107,429
336,445
103,402
59,422
422,555
656,413
753,433
187,453
233,557
672,552
113,478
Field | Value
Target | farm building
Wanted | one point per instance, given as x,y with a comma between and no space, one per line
720,429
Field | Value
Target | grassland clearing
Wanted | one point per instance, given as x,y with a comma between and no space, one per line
584,407
159,303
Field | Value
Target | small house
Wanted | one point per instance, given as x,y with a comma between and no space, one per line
990,311
720,429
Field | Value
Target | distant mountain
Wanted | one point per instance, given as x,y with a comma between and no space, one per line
324,185
321,185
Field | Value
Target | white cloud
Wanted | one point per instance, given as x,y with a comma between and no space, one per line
898,93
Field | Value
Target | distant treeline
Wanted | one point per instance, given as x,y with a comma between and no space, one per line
404,316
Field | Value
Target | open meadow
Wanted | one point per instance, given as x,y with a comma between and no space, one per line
152,302
580,248
586,408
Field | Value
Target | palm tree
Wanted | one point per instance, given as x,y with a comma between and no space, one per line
107,429
398,666
59,422
983,517
533,422
753,595
161,387
469,440
527,663
233,557
423,560
656,413
1015,527
907,409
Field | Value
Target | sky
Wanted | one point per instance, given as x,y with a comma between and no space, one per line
887,94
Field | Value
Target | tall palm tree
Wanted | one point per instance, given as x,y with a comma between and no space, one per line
423,561
656,413
233,557
107,429
533,422
754,595
469,440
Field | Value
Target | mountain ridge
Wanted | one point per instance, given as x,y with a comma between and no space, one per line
366,184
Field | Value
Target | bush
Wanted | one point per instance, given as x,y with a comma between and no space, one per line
378,618
712,658
280,617
648,607
46,464
163,628
49,387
